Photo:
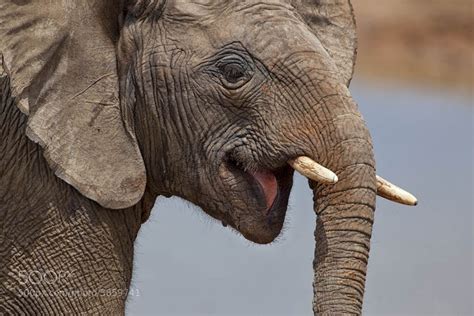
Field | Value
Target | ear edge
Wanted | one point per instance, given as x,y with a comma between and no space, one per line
115,197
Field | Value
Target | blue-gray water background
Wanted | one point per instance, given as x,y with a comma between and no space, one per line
421,261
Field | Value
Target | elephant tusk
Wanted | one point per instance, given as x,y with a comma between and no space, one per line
393,193
312,170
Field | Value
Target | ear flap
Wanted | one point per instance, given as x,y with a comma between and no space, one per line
61,60
333,23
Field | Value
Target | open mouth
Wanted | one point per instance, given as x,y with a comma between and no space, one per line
269,188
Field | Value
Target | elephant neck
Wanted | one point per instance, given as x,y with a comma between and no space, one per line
59,252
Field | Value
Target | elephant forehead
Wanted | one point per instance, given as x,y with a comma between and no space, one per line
211,10
269,30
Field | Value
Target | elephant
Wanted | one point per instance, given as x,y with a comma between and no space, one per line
107,105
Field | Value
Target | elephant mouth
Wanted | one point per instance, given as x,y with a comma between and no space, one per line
261,194
268,186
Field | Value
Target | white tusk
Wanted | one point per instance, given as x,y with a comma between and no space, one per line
312,170
393,193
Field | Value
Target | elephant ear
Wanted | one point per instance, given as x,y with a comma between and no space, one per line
60,57
333,22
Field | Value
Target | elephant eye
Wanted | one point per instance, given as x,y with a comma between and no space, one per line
235,72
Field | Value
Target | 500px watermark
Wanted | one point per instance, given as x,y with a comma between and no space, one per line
110,292
35,277
55,283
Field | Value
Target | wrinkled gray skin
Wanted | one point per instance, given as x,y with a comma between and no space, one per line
208,91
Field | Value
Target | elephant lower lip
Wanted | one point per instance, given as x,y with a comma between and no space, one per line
261,195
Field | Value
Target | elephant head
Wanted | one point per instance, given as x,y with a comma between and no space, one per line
212,101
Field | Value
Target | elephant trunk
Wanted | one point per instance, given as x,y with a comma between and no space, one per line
345,214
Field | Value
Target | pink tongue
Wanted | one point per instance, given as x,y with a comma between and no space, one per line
269,185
